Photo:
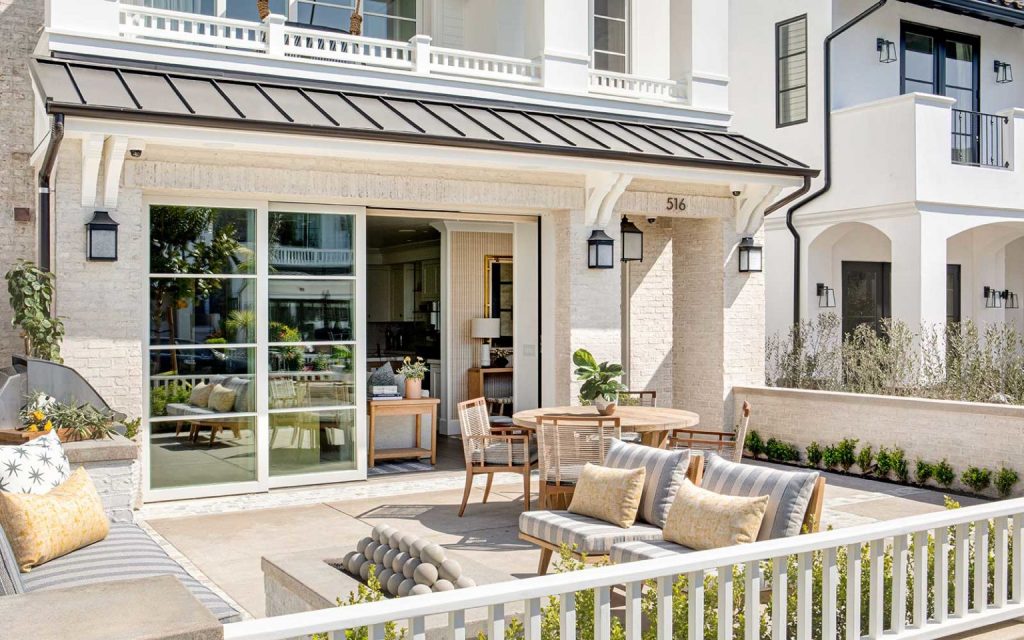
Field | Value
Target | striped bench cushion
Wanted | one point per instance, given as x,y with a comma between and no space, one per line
645,550
665,472
789,492
588,535
126,552
10,574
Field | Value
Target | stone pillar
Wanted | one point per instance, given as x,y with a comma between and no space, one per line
650,310
918,272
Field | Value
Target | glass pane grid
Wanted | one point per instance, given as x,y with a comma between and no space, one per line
315,409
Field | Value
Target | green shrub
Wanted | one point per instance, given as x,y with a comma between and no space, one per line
977,478
944,474
1005,481
814,454
846,453
830,457
924,471
755,445
899,465
884,464
865,459
131,427
163,395
775,449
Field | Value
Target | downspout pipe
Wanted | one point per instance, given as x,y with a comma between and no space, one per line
827,164
45,173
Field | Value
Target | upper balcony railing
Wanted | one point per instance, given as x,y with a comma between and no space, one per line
978,139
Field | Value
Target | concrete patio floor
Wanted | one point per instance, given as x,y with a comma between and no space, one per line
222,540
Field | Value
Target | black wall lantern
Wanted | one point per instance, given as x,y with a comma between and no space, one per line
632,241
1004,72
826,296
886,50
750,256
601,250
102,237
993,298
1010,300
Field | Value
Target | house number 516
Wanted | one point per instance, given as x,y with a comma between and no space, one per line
675,204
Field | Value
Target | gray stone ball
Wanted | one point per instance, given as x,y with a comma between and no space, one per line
361,545
419,590
370,548
364,570
433,553
398,562
378,569
393,582
426,574
348,557
409,568
377,530
378,554
385,533
389,557
405,540
465,582
384,576
353,563
450,570
416,547
405,587
443,585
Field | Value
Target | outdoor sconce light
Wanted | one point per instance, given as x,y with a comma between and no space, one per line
601,250
826,296
993,298
750,256
102,237
632,241
1010,300
1004,72
886,50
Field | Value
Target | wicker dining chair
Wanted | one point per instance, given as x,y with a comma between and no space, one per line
727,445
490,449
565,444
638,398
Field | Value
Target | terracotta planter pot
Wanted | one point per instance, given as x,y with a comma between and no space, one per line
413,388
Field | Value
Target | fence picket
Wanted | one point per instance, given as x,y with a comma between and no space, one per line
418,628
779,597
752,601
804,595
496,622
981,565
1001,552
375,632
853,573
1017,558
941,587
664,621
695,605
531,619
829,593
876,589
920,579
602,613
634,617
567,616
899,584
457,625
725,603
961,560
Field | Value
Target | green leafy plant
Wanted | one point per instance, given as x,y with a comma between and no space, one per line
775,449
866,459
31,293
172,393
131,427
944,474
899,464
71,420
413,370
754,444
814,454
321,363
977,478
924,471
241,323
364,593
599,380
830,457
846,453
1005,480
884,463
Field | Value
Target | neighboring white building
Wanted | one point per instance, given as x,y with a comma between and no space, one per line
373,190
926,208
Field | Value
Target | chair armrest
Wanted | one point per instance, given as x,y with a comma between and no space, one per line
720,434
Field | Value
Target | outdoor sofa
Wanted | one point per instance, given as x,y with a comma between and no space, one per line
794,507
243,404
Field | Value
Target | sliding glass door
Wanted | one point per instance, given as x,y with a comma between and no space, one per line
253,344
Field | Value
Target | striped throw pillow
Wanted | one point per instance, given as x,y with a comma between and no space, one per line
666,470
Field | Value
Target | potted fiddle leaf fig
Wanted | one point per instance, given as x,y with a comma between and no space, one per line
601,384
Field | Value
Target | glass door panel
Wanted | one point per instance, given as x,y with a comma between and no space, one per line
865,295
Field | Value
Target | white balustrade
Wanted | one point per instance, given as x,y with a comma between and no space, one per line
310,257
631,86
318,44
190,28
483,65
772,572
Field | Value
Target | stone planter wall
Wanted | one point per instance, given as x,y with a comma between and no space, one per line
115,469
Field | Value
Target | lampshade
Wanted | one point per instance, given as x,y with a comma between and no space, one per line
485,328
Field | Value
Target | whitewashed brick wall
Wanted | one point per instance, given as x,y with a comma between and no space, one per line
118,483
651,302
964,433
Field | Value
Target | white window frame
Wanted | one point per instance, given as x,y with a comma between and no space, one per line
627,53
293,13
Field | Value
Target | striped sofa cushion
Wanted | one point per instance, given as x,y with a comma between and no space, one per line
665,472
789,492
10,575
126,552
645,550
588,535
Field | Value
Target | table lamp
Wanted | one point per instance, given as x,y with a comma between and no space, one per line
485,329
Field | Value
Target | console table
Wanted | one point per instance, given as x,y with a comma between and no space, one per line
405,407
478,379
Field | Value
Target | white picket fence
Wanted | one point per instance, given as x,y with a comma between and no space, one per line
959,536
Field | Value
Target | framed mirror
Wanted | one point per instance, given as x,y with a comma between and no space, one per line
498,295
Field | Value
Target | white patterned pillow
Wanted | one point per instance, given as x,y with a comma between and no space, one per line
34,467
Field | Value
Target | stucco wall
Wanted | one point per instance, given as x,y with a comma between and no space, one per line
964,433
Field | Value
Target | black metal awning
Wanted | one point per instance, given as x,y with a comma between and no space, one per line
165,95
1008,12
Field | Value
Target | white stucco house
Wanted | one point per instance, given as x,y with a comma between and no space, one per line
297,205
923,218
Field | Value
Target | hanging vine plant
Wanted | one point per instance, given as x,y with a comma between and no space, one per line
31,297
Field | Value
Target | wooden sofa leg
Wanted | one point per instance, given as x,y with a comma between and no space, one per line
545,560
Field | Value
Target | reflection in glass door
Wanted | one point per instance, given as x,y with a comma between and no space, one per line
866,299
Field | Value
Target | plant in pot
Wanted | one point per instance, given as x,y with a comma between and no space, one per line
414,372
601,384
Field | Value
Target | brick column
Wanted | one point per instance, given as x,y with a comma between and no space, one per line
651,312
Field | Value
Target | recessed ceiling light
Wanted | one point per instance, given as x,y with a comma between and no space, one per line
406,231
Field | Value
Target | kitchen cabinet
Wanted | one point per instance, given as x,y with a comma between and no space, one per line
403,282
431,280
378,294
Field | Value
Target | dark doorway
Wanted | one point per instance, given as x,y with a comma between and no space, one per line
866,297
953,314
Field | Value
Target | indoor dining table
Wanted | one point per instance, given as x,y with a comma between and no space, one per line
654,424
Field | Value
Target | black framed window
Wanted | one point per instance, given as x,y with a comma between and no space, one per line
953,312
610,35
940,62
791,71
866,294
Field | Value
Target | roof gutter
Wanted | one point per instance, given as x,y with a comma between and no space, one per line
45,173
827,165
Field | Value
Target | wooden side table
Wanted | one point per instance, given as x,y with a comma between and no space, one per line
405,407
477,378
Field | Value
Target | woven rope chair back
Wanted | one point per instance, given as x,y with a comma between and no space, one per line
473,421
567,443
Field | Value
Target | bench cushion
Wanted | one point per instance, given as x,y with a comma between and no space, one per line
180,409
789,492
126,552
589,535
10,574
665,472
645,550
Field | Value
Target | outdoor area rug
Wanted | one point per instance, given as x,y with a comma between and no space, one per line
388,468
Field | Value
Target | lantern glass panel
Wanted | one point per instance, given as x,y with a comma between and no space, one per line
103,244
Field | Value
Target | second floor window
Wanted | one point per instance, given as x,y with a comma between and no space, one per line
611,35
385,19
791,72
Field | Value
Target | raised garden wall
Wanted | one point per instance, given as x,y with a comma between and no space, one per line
965,434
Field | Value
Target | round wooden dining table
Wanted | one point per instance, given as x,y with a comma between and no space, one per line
652,423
